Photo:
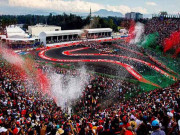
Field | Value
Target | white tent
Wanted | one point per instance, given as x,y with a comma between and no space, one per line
15,32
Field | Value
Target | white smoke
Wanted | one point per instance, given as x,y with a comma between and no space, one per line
67,88
138,32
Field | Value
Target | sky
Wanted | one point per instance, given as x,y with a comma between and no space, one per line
83,6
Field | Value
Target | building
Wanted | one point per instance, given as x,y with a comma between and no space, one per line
34,31
16,38
134,16
50,37
128,15
139,16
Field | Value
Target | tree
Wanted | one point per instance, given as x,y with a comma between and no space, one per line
112,25
94,22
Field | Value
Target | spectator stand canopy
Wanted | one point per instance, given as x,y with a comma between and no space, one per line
49,37
20,43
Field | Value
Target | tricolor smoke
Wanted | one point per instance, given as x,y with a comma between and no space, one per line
150,40
136,32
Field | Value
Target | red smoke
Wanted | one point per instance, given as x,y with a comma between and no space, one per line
15,62
25,69
43,82
173,42
131,32
177,52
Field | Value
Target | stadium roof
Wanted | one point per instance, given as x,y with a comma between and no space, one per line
43,25
98,30
20,39
63,32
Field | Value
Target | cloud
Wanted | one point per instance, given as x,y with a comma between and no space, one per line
151,4
3,2
61,5
140,9
121,8
72,6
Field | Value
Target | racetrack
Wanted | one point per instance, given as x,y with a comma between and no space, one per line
127,66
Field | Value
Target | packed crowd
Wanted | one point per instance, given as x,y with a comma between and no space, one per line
164,26
102,48
29,112
97,36
144,114
49,41
66,39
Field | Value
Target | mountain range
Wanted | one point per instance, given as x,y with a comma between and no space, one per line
101,12
106,13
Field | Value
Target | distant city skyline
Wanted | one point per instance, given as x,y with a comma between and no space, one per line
82,6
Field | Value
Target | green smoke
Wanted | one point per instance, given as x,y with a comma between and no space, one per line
150,41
